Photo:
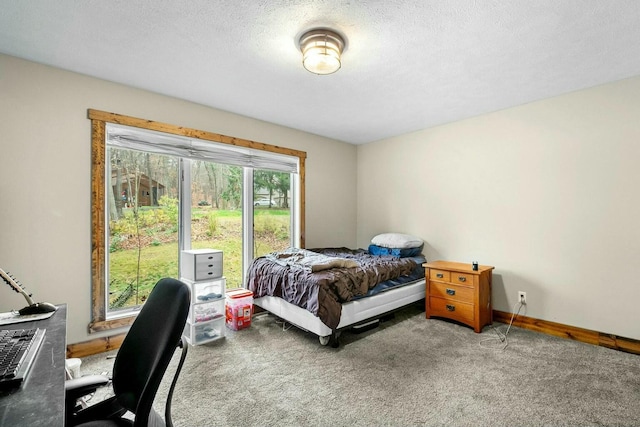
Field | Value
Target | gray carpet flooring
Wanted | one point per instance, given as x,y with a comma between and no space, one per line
409,371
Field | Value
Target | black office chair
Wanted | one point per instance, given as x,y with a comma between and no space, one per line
140,363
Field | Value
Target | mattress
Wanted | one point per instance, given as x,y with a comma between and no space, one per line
416,274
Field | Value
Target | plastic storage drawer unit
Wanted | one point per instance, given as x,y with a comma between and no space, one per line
201,264
201,333
207,291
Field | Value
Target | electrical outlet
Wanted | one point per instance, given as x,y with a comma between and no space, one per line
522,297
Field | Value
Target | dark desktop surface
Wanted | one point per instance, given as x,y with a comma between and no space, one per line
39,400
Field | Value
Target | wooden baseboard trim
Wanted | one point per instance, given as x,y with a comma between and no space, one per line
101,345
95,346
570,332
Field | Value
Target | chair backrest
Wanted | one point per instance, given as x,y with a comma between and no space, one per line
149,346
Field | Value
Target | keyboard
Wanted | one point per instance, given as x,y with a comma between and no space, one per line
18,349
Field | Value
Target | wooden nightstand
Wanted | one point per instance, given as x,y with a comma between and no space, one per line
455,291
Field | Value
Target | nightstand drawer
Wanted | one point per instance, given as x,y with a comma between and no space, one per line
451,309
462,278
450,291
440,275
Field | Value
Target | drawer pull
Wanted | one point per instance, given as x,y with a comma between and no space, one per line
439,275
451,307
451,291
462,278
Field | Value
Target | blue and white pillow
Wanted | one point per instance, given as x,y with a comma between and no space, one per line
396,244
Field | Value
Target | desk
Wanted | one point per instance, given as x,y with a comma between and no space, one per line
39,401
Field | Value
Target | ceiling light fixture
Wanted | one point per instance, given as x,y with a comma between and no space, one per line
321,50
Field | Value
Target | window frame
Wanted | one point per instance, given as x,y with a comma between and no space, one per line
99,119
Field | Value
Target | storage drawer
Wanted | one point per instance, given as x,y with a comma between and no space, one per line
206,311
201,333
462,278
451,309
201,264
451,291
439,275
206,291
208,270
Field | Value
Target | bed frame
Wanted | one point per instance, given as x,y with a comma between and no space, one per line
353,312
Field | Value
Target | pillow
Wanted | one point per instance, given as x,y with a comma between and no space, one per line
395,252
397,240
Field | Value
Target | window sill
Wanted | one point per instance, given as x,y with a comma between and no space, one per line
107,325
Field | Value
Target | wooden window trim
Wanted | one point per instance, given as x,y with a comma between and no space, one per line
99,119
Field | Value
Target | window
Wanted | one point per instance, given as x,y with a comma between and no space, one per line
142,223
158,189
272,219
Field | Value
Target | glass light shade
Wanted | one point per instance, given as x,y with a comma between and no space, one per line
321,50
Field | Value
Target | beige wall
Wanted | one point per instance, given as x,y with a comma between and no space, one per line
546,192
45,176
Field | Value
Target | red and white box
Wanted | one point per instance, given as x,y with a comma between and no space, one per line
239,308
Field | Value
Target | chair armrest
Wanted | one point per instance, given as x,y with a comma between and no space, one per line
108,409
75,389
78,387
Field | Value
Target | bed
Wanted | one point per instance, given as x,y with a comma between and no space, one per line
326,290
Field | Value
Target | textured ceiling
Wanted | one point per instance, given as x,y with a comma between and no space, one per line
408,65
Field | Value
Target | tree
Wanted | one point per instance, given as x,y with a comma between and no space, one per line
115,200
283,185
232,194
267,180
153,189
213,183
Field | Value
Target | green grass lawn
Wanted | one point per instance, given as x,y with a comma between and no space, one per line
135,265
